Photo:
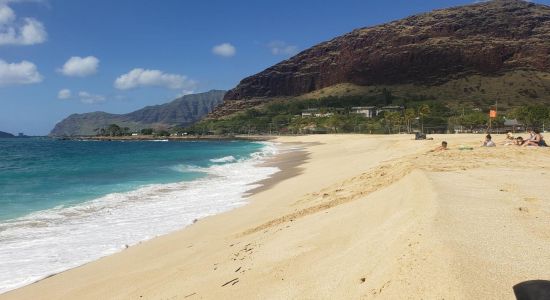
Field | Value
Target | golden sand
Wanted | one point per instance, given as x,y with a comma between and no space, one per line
362,217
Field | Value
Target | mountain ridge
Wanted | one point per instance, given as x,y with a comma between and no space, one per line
488,39
182,111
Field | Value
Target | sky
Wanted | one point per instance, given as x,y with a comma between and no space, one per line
59,57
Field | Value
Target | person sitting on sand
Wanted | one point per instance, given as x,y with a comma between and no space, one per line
531,135
536,140
488,142
510,139
519,141
441,148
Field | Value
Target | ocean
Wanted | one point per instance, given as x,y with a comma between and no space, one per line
65,203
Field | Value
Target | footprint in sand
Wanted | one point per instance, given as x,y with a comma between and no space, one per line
531,199
523,209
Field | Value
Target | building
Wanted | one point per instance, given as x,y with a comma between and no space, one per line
389,109
373,111
366,111
513,125
315,112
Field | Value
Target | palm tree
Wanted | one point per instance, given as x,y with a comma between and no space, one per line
409,115
423,111
391,119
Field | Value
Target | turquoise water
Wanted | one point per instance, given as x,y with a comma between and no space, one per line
65,203
37,174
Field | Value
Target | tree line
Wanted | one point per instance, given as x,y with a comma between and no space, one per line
116,130
426,116
285,117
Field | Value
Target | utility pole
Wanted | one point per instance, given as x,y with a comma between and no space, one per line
496,113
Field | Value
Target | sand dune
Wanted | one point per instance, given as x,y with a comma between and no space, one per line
363,217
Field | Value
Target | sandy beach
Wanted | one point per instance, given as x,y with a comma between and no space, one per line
350,217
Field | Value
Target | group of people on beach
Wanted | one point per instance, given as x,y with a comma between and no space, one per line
535,139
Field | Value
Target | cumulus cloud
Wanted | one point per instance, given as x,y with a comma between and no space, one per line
64,94
282,48
225,50
29,31
18,73
140,77
82,96
88,98
6,14
80,66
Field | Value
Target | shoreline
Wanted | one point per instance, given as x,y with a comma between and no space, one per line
322,231
288,161
169,138
257,160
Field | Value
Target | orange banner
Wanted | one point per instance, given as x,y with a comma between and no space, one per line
492,113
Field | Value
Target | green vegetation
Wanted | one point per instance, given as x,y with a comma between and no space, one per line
511,88
336,115
532,116
147,131
115,130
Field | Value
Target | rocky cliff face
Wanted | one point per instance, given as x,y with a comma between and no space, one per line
180,112
487,39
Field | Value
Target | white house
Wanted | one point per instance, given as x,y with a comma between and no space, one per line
367,111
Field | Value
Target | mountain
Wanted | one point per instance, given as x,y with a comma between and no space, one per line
6,135
181,112
482,52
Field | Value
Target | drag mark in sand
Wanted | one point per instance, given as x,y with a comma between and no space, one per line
390,172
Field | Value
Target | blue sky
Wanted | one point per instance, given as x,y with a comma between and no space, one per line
59,57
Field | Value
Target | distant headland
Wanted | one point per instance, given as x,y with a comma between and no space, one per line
6,135
9,135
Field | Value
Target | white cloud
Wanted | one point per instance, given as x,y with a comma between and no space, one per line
225,50
88,98
18,73
80,66
28,32
64,94
282,48
140,77
6,14
185,92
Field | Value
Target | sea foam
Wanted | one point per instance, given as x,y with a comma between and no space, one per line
50,241
224,159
